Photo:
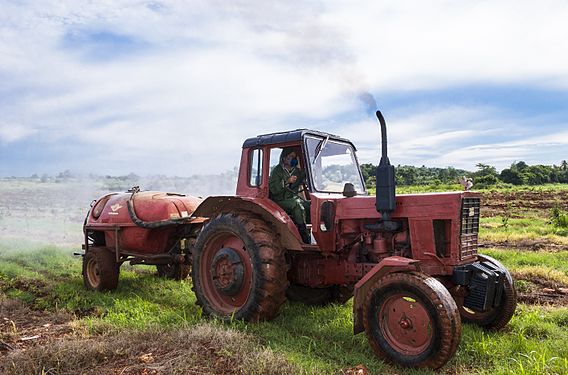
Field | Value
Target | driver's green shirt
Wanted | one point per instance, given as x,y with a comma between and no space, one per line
279,189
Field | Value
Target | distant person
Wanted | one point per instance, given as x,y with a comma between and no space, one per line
285,181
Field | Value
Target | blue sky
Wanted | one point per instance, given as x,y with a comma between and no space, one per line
174,87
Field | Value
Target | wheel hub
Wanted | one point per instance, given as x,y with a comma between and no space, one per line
227,271
93,273
406,324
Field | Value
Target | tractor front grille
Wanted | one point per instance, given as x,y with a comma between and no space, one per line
469,227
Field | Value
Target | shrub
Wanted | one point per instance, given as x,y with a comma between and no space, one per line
559,217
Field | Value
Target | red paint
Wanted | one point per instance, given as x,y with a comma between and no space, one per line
405,324
220,300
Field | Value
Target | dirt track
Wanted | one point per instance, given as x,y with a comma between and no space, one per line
540,291
23,328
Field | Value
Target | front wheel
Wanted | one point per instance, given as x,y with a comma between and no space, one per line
412,320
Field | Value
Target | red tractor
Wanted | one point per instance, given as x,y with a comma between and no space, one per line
410,262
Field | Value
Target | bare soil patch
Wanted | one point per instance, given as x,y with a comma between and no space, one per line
541,244
22,328
43,342
496,203
538,290
203,349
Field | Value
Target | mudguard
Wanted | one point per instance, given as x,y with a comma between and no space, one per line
384,267
264,207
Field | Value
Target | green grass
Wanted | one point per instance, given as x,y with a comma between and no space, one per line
507,188
530,227
514,259
319,340
550,266
140,301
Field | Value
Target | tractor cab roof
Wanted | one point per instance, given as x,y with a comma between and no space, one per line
288,137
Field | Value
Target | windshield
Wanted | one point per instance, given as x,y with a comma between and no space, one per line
333,164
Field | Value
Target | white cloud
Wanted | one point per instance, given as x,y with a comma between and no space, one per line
461,137
545,150
416,44
14,132
208,74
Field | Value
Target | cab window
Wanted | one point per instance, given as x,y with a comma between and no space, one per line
275,157
333,164
255,170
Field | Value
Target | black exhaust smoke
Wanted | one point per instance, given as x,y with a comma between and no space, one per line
385,177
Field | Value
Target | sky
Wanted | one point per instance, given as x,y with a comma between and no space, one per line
175,87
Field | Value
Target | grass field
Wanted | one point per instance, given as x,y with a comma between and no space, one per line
152,325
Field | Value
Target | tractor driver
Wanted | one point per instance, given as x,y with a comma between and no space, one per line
285,181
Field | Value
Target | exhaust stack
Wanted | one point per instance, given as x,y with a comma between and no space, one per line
385,177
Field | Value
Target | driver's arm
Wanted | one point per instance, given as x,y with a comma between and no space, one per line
277,182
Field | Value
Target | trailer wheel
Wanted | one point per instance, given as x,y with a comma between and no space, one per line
239,269
497,317
412,320
176,271
100,269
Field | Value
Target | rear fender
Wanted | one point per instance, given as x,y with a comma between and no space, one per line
264,207
384,267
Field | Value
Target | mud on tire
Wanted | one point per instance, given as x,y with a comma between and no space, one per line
412,320
100,269
239,269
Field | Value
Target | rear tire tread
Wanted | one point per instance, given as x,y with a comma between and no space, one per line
271,281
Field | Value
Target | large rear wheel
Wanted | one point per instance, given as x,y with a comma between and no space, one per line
412,320
239,269
496,317
100,269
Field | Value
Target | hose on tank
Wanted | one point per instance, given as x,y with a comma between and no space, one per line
151,224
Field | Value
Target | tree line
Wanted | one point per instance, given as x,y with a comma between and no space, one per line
519,173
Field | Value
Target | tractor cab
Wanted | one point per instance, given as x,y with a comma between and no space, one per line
329,161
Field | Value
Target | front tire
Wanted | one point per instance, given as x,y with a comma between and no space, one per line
239,269
412,320
100,269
